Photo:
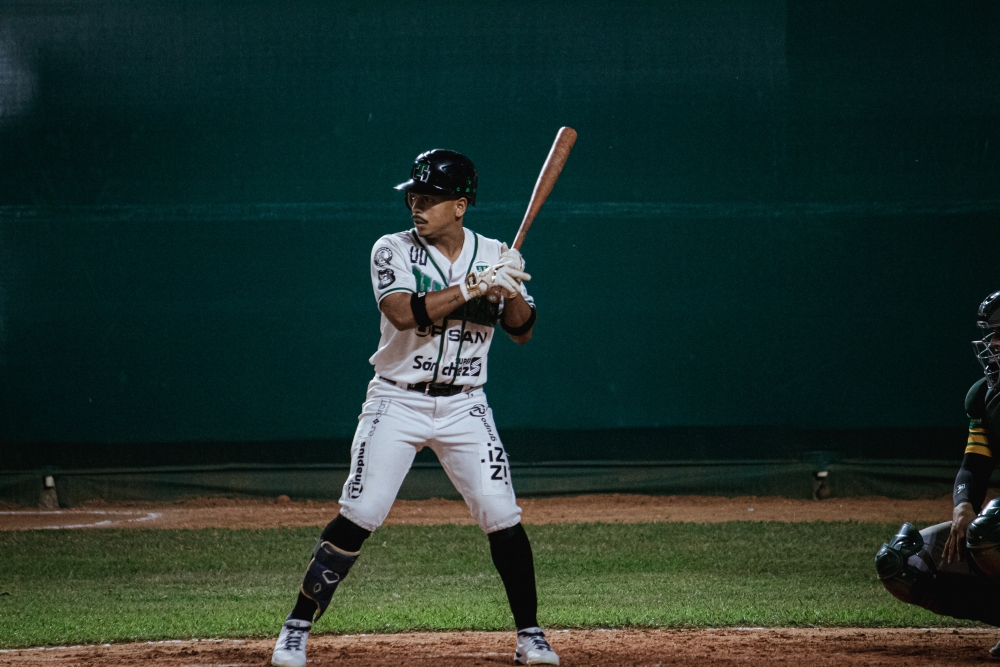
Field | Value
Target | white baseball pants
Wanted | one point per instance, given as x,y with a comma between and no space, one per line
396,423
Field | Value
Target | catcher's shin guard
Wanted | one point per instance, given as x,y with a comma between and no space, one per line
983,540
906,582
328,568
945,589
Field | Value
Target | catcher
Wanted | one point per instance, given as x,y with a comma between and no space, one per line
953,568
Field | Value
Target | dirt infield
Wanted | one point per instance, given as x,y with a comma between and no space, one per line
746,647
227,513
734,646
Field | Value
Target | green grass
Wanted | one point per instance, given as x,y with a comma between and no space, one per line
106,585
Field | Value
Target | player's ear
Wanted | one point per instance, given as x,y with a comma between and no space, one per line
460,205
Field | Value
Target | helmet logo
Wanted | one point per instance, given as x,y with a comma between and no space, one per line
421,172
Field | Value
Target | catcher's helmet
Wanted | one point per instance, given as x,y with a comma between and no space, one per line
988,349
445,173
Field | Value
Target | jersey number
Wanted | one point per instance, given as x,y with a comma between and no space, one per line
418,256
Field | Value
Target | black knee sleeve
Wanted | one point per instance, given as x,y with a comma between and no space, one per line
345,534
507,534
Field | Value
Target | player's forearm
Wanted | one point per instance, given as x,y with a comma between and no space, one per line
444,302
973,480
516,313
399,312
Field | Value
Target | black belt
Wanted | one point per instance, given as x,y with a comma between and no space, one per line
429,388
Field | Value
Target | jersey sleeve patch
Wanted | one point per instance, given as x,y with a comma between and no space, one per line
382,256
386,277
388,269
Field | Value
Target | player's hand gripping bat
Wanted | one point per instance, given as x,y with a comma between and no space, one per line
558,154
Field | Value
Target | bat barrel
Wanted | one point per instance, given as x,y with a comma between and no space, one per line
547,178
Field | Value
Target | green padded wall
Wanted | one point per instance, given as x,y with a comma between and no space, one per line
778,215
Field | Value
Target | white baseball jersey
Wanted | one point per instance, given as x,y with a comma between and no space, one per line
454,349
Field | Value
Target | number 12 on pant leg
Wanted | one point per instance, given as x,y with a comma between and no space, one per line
495,469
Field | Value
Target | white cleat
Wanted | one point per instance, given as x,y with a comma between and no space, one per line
290,651
532,649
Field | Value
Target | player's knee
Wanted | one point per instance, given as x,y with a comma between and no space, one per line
326,570
983,540
905,581
495,514
344,534
515,533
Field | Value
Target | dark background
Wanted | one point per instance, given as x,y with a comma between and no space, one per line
778,216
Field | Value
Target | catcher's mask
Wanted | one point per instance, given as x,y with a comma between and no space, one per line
988,349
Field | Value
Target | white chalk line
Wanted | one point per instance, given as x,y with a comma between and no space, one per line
163,641
149,516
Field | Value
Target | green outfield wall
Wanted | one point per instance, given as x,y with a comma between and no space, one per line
764,255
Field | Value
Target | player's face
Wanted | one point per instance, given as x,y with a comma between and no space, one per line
433,215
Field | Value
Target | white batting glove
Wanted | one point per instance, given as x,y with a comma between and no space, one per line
508,272
510,256
476,284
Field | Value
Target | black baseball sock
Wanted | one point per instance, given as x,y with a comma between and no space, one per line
343,534
512,557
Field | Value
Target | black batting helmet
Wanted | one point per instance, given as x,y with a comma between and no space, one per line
444,173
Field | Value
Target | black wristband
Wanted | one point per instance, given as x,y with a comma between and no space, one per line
524,328
418,305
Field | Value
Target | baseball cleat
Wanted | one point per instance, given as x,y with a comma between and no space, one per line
290,651
995,651
532,649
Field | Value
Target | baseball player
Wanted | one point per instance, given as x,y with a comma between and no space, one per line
430,368
953,568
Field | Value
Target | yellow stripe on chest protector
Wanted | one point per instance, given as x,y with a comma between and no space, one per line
978,439
979,449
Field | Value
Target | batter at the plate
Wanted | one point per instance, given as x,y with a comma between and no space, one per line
430,284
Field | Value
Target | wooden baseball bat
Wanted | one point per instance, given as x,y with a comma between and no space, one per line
547,178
